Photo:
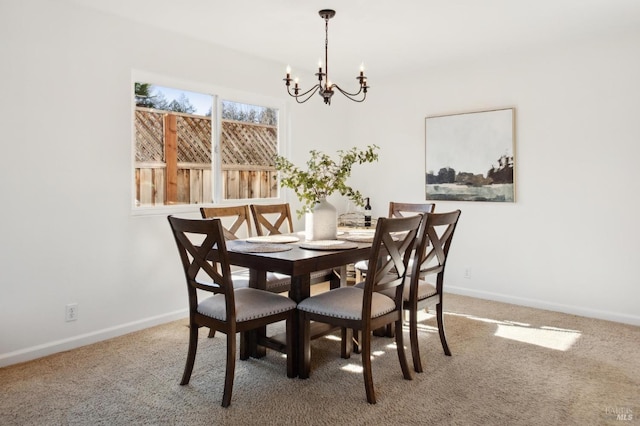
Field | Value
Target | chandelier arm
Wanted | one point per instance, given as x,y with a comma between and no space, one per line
301,95
309,92
352,96
344,92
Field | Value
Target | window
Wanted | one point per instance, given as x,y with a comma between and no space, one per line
192,147
248,144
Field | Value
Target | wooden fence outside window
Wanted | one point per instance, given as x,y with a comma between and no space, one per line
173,159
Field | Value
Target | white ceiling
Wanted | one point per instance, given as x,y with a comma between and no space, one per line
386,36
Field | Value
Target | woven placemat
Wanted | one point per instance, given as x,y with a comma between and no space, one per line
245,247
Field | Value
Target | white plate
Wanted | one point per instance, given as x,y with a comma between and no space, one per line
274,239
359,238
328,245
245,247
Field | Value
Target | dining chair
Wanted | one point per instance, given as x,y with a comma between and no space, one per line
408,209
434,251
396,209
365,309
240,215
236,223
430,258
274,219
240,228
225,309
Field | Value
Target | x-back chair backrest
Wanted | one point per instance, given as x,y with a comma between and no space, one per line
399,209
433,245
196,238
390,252
410,209
240,213
280,214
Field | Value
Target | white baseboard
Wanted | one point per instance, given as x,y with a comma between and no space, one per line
74,342
549,306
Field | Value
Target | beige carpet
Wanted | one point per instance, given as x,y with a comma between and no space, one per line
510,365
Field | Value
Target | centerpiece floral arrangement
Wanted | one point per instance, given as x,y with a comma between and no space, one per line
324,176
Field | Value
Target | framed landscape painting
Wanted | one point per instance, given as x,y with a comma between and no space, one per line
470,156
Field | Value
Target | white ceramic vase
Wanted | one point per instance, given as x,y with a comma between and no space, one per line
321,223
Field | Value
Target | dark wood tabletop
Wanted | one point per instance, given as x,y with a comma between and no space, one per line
298,263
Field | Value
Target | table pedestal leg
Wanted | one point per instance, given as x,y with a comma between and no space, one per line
300,290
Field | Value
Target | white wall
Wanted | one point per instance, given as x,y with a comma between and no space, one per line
68,235
67,232
571,240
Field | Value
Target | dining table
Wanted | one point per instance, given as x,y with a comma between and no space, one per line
291,255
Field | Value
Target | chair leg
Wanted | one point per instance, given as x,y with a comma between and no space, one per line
291,351
304,357
357,341
346,342
443,338
401,353
366,366
212,333
191,354
380,332
334,282
230,369
413,337
245,344
390,331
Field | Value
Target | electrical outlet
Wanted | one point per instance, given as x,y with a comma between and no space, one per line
467,273
71,313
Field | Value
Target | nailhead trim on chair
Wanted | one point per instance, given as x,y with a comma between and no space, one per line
346,302
250,304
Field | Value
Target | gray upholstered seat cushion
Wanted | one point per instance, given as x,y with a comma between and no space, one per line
362,265
346,302
250,304
424,289
320,274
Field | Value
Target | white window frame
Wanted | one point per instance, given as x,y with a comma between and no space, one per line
219,94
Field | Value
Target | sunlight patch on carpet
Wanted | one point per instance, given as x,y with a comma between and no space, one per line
353,368
556,338
426,328
546,337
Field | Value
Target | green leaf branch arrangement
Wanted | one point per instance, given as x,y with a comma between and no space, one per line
324,175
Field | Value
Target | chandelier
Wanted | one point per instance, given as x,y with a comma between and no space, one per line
325,87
